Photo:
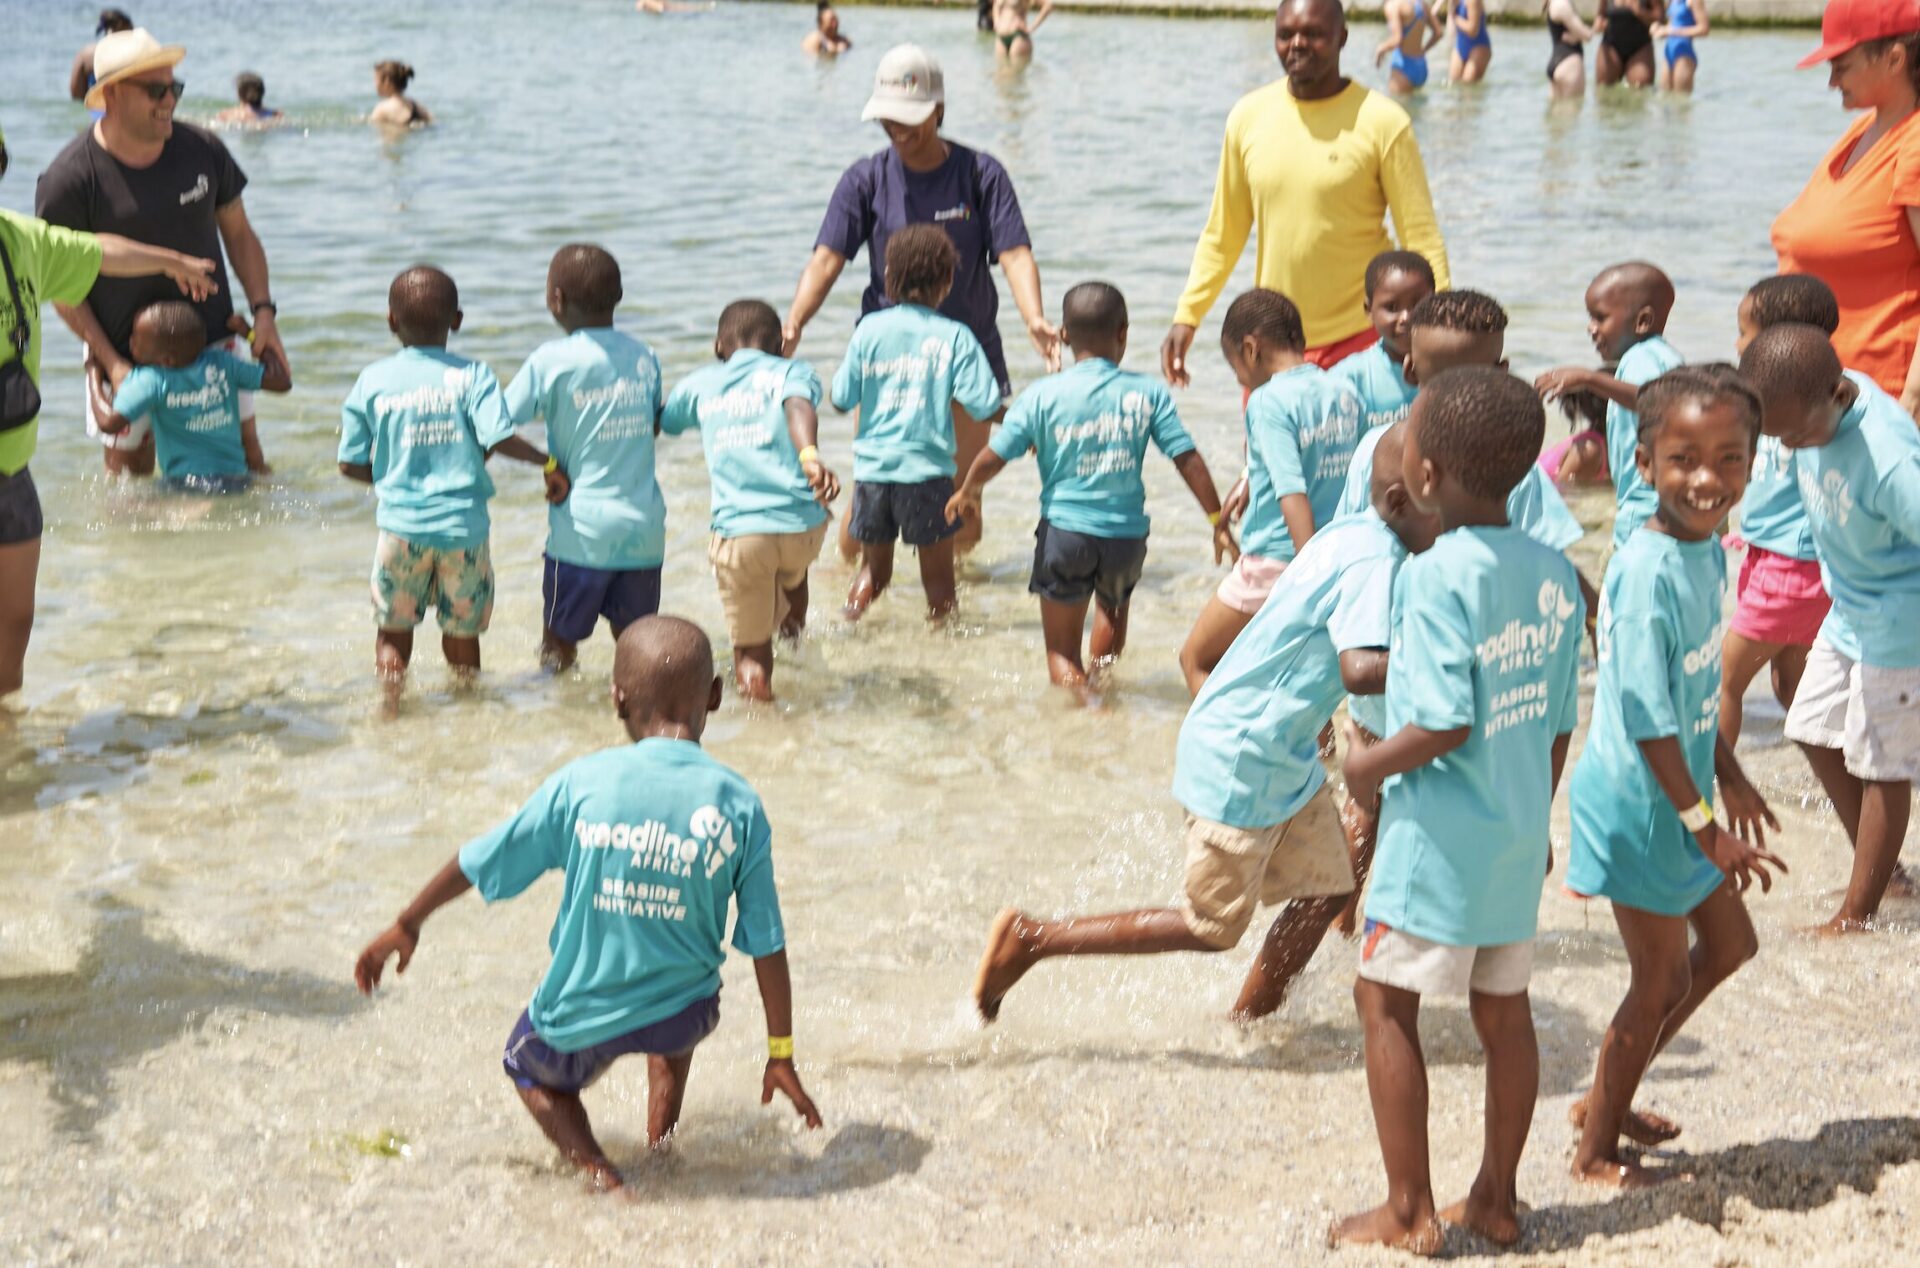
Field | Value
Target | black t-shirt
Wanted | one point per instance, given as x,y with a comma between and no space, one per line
169,204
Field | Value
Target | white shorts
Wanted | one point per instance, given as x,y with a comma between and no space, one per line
138,429
1869,712
1392,957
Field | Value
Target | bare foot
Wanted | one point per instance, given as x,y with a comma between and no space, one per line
1840,927
1005,961
1421,1235
1641,1127
1498,1223
602,1178
1613,1173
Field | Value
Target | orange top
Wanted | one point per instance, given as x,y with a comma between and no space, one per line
1850,230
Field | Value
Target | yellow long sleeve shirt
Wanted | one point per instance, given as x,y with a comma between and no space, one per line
1318,179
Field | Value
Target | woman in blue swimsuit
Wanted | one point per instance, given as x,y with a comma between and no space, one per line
1412,29
1686,22
1472,46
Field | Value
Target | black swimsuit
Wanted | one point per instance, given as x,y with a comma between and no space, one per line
1563,48
1626,34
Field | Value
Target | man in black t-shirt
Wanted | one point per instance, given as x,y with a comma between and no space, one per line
138,173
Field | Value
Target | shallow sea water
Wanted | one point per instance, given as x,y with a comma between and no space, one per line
203,820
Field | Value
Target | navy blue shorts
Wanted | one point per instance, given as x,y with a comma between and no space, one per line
914,513
531,1063
20,518
576,597
1070,567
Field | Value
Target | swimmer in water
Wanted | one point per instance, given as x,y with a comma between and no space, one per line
396,109
825,39
669,6
1013,30
252,112
1472,46
1412,28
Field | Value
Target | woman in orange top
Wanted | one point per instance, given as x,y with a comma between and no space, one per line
1856,226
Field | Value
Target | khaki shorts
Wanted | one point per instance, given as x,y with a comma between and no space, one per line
1869,712
1393,957
1232,870
755,572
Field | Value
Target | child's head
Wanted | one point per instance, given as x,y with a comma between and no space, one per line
1454,328
1698,425
747,323
1093,317
1388,493
1473,434
1627,303
825,19
392,76
663,679
1795,297
169,333
1258,325
1395,282
250,88
423,307
920,265
583,286
1797,375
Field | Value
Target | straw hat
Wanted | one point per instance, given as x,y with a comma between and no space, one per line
124,54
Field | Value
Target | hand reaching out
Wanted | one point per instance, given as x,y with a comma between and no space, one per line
1741,862
397,940
783,1077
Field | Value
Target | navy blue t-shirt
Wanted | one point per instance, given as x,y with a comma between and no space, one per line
970,196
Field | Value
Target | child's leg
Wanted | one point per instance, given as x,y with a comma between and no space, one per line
1505,1025
1397,1085
1788,665
1361,826
1061,628
462,653
392,653
1660,979
794,620
564,1119
753,671
1209,640
876,572
1885,807
463,580
666,1089
1289,946
936,578
1109,631
1015,944
1741,658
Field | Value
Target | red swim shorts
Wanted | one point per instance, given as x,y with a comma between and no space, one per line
1781,599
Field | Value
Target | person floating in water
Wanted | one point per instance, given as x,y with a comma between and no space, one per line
1013,29
396,109
825,39
252,112
1412,29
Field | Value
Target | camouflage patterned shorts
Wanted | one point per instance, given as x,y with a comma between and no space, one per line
408,578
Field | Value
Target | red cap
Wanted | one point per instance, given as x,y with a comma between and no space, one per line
1847,24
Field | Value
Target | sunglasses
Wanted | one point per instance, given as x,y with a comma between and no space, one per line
160,92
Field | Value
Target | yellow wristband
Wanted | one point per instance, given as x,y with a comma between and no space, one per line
553,464
1213,518
810,454
780,1048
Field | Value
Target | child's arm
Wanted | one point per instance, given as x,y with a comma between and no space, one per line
776,996
1568,379
1409,748
1740,861
1298,514
1363,671
521,450
966,499
1193,469
403,935
1747,810
803,428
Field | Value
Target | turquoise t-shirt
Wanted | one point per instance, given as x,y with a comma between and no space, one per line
1535,506
1772,516
1088,427
1249,751
194,412
1486,635
1381,384
739,406
905,369
654,838
1659,635
1302,425
599,391
1862,496
1634,497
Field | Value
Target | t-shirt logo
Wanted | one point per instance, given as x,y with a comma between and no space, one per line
710,828
201,188
1555,602
1829,498
962,212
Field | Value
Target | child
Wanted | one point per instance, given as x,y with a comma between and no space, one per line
1581,457
904,370
654,837
755,414
1482,683
419,427
1302,424
190,395
825,40
1261,824
1644,835
599,391
1627,309
1396,282
252,112
1856,454
1089,427
1782,600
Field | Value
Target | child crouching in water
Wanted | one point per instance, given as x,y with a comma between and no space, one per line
1482,690
1644,833
1088,427
756,414
655,837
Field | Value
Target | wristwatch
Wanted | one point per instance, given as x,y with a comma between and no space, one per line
267,304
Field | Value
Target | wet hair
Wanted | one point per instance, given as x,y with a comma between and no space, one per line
1468,312
588,276
1484,426
749,323
1644,286
177,326
399,74
111,21
662,663
423,301
1093,310
1909,42
250,88
1702,383
1409,262
1791,362
920,265
1266,314
1793,297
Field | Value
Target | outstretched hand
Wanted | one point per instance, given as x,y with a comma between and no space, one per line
396,940
194,277
1046,341
782,1076
1173,354
1747,811
1742,863
1564,381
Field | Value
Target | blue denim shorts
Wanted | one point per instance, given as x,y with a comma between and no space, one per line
576,597
531,1063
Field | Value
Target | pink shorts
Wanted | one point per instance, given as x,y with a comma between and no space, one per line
1781,599
1247,586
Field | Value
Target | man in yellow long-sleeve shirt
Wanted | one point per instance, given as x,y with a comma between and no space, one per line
1314,162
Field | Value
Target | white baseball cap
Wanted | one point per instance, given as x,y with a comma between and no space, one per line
907,87
126,53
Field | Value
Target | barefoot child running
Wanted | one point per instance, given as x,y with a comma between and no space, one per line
904,370
1396,282
1089,427
654,838
1482,690
755,411
1644,833
1262,825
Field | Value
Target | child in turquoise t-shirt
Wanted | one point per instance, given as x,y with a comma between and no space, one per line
1395,283
1089,427
419,426
1482,686
757,416
1644,835
655,839
599,392
906,370
190,395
